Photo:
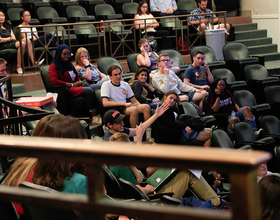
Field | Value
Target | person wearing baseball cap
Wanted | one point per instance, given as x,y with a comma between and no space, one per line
113,119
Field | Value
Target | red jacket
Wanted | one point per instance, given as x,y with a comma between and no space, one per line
57,79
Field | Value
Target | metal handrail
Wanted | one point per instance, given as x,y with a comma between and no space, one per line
127,26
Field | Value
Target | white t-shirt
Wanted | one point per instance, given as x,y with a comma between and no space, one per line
116,93
148,21
28,31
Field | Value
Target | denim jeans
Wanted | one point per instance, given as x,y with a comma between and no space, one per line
241,117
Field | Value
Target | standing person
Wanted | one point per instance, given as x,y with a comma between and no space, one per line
149,23
165,80
203,20
8,41
144,92
221,101
149,59
87,71
115,93
175,132
63,74
26,33
166,7
113,119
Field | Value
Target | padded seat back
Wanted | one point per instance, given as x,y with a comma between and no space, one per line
235,51
112,185
255,72
244,98
76,11
220,139
272,94
170,23
44,212
85,29
129,9
131,191
243,132
188,5
45,77
210,55
270,124
224,74
175,55
104,10
47,13
189,109
132,62
104,63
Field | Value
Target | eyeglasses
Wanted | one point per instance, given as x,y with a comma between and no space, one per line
145,7
27,16
221,85
165,60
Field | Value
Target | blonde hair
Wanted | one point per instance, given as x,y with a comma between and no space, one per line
78,54
119,137
20,170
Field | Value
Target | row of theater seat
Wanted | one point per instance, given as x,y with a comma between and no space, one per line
89,5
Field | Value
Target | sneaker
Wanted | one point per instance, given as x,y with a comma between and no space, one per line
224,207
96,121
259,133
150,140
39,63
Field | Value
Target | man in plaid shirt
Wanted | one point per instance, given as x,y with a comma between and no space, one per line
200,17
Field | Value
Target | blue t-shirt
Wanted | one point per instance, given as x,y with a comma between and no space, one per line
108,134
196,75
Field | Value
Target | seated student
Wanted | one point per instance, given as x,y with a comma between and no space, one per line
199,18
165,80
178,184
87,71
20,171
166,7
66,177
221,101
37,41
149,59
63,74
8,41
144,92
113,119
262,171
114,94
174,132
197,75
150,25
269,189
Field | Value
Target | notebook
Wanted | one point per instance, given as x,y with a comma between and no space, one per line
161,177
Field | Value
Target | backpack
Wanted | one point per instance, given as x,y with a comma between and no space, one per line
185,46
153,43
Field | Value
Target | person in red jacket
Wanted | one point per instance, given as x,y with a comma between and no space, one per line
63,74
